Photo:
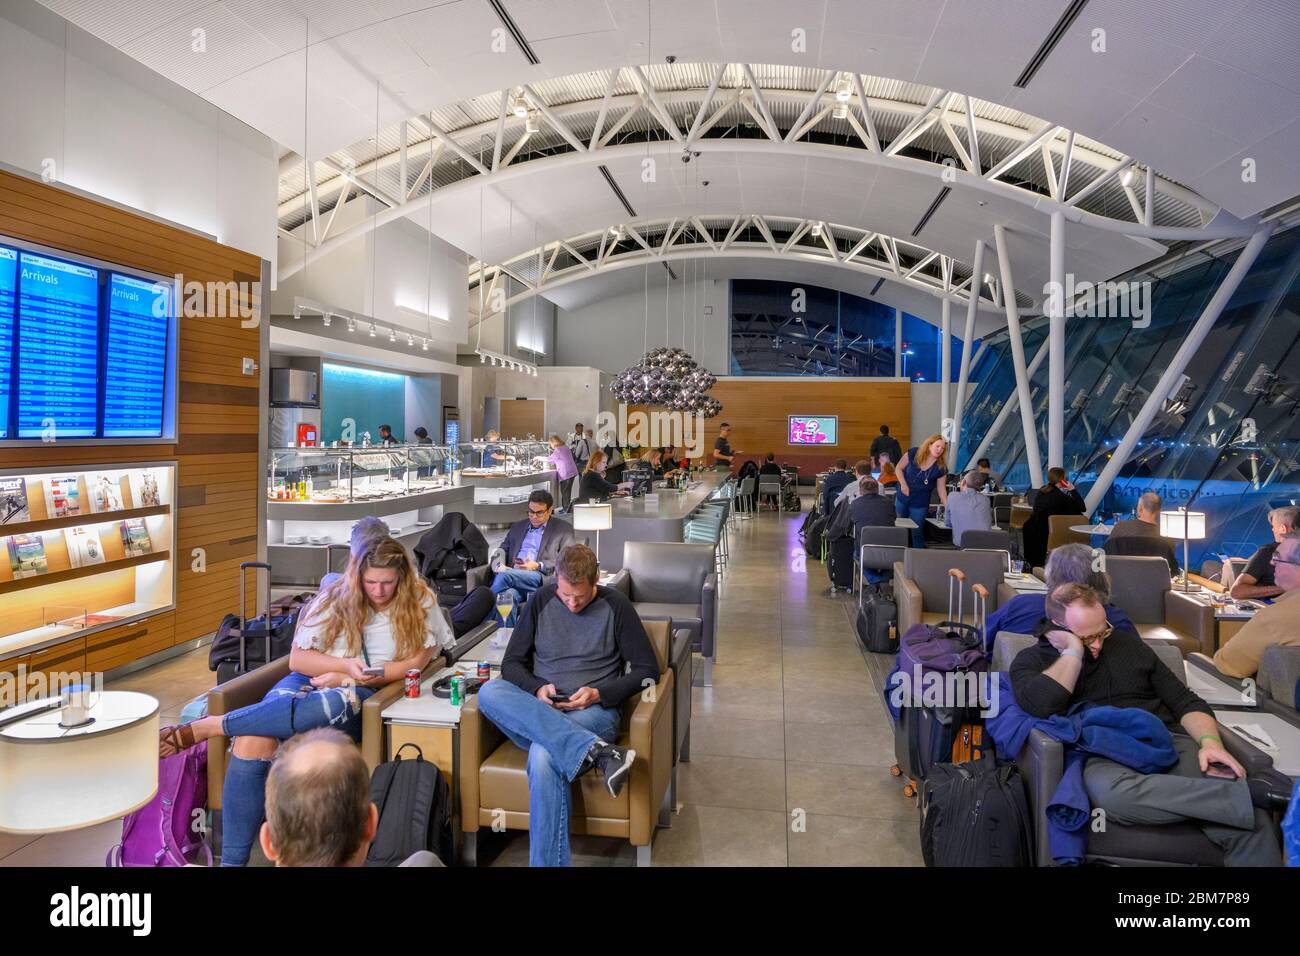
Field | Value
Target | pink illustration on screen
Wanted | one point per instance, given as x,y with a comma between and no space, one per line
806,432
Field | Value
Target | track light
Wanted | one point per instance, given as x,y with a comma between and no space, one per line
297,312
817,230
410,341
481,358
352,326
372,330
530,121
326,319
392,335
424,345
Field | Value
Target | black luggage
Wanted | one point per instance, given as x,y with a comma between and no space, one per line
414,810
976,814
241,645
877,623
446,553
839,564
814,543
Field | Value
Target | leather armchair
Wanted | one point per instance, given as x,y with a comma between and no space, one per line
669,581
921,582
1140,587
494,775
1042,763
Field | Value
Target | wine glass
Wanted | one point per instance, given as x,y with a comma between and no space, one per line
505,605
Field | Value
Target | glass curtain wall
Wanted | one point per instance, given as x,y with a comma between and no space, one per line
1225,441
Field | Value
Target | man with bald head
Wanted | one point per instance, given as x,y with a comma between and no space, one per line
1279,623
318,806
1145,525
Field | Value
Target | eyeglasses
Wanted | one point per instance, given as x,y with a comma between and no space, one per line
1101,635
1276,560
538,514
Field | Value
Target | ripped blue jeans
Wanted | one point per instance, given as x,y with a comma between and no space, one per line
290,707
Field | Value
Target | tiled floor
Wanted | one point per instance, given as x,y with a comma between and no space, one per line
790,747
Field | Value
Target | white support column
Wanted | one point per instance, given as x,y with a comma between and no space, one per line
1032,458
1056,343
898,343
968,336
1191,342
945,364
1012,403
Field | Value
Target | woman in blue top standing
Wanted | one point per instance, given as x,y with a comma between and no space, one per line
919,472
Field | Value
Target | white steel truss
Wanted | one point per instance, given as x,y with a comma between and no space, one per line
594,116
639,242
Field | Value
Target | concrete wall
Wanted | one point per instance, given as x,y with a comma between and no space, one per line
612,334
927,403
571,394
89,117
424,405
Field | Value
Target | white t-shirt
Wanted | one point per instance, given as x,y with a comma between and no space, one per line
377,635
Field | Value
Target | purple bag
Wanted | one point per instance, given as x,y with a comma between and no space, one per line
944,647
171,827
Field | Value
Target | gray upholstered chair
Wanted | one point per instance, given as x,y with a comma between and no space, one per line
1042,763
921,582
994,539
878,549
769,486
1140,588
1278,682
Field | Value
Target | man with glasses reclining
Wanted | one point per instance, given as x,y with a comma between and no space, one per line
1081,659
531,548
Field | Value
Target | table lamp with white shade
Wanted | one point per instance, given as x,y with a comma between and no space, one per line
594,517
54,778
1188,525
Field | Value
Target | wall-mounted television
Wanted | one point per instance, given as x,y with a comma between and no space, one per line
814,429
87,352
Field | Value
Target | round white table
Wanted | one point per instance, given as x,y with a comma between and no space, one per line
56,778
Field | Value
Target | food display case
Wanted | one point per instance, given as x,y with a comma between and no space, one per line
83,549
315,495
501,488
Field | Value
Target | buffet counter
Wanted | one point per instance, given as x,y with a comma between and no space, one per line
501,497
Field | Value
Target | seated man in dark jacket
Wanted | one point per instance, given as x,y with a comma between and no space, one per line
578,652
532,547
834,483
1080,659
871,509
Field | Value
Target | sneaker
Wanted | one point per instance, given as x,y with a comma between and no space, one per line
614,763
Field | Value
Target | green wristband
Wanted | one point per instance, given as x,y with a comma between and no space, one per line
1205,737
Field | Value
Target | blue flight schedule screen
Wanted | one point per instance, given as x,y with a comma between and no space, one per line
139,320
58,347
8,291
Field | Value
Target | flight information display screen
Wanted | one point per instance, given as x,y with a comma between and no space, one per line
139,319
58,348
8,292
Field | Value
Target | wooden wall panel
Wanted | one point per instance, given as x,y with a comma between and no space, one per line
218,482
758,410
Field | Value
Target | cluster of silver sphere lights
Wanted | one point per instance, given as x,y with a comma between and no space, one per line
668,377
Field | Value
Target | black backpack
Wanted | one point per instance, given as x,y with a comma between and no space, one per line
976,814
414,810
877,621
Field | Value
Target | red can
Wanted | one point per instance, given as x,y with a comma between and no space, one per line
413,682
484,670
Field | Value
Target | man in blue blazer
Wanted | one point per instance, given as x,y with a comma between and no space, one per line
532,546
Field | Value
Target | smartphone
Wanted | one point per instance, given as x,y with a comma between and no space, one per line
559,698
373,671
1216,769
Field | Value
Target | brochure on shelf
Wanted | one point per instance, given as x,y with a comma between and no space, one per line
144,488
135,538
27,555
14,508
62,496
105,493
84,546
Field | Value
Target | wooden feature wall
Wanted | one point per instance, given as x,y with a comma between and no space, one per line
521,417
218,482
758,410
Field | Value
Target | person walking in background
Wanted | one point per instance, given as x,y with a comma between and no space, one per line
885,447
580,447
723,454
920,472
566,469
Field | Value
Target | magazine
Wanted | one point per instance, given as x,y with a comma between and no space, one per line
105,493
144,489
84,547
135,538
27,555
13,501
62,497
89,620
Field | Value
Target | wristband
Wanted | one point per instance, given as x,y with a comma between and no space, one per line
1071,652
1204,737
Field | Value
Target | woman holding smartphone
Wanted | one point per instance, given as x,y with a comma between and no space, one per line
920,472
362,632
1057,497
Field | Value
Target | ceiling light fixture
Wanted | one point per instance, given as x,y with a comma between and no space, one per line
372,330
410,340
392,335
519,107
530,121
297,312
424,345
326,319
352,326
817,230
1128,176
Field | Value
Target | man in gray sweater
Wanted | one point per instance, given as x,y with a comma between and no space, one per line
578,652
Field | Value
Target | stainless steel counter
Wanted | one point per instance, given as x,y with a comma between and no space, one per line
636,519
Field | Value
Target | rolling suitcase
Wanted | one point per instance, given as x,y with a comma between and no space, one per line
976,814
839,566
241,644
927,734
877,622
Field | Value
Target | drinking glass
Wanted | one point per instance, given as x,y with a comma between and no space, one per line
505,605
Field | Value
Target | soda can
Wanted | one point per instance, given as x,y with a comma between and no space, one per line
484,670
413,682
457,690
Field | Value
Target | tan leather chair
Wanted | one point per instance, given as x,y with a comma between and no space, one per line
494,774
1059,533
1140,587
921,583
